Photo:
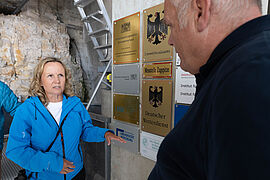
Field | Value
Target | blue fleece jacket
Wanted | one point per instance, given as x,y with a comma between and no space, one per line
9,102
33,129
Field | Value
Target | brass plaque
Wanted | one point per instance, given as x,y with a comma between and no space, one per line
126,39
156,35
126,108
156,106
157,70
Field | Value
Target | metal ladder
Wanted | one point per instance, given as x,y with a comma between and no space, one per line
102,18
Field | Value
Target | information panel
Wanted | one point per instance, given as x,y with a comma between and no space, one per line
185,87
126,78
126,38
157,70
126,108
149,145
156,106
130,133
156,35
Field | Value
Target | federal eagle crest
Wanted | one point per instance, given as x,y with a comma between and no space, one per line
155,96
157,29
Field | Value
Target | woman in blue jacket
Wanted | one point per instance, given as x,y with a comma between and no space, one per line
52,109
9,102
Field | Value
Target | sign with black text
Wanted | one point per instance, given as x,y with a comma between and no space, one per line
156,106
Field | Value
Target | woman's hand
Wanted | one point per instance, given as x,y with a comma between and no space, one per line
67,167
110,136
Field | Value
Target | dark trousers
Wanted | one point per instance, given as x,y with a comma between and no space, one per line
80,175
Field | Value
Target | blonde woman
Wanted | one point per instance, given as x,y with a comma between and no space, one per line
47,128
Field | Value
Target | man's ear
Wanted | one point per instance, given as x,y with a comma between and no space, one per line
203,14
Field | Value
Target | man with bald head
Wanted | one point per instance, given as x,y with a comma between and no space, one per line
225,135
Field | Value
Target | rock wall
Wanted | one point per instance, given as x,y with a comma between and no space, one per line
23,41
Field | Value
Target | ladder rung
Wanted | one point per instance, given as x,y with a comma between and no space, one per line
104,60
83,3
97,14
103,68
99,32
106,83
103,46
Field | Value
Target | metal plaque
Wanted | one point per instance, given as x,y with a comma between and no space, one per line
185,87
156,106
130,133
157,70
156,35
126,78
126,108
179,112
149,145
126,39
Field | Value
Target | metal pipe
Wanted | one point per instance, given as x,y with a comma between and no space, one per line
106,42
107,156
106,83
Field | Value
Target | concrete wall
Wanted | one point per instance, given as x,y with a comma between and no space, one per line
124,164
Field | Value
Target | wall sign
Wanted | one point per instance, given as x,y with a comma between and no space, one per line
179,112
156,35
126,78
126,38
157,70
156,106
185,87
149,145
126,108
129,133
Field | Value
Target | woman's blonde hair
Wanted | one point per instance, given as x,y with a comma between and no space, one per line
35,87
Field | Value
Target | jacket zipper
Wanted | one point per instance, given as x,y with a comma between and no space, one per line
53,118
62,140
63,147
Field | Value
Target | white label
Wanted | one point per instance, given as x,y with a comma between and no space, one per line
149,145
185,87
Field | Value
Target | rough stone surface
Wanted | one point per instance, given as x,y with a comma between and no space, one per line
26,39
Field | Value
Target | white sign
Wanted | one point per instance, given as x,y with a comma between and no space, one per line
264,6
129,132
185,87
149,145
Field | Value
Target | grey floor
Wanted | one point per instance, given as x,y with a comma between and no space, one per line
9,169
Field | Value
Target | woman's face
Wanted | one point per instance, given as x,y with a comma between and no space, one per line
53,79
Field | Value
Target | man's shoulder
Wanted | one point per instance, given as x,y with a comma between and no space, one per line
242,57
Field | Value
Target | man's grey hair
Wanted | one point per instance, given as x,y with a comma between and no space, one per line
223,7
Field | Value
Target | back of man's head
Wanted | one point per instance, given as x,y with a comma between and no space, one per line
227,9
207,22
